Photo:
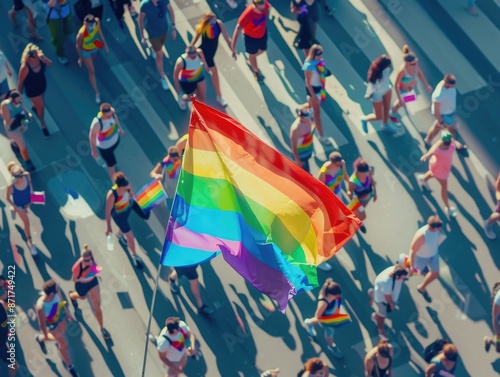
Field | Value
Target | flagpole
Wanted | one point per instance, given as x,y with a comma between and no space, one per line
150,319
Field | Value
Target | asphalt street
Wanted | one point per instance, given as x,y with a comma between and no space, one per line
244,338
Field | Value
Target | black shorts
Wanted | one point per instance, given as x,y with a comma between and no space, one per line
83,288
189,272
189,87
18,5
253,45
108,154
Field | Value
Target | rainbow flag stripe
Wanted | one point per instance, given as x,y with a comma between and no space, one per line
354,204
338,318
122,204
272,221
56,312
108,134
305,147
150,195
211,31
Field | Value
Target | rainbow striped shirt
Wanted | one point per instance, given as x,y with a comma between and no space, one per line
305,146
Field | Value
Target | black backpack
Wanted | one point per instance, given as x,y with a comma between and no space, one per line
433,349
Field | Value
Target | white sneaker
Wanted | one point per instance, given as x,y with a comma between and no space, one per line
98,99
310,328
33,249
164,83
325,266
451,212
490,234
422,182
12,213
182,102
221,101
232,4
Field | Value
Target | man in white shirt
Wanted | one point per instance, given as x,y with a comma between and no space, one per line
174,344
388,286
444,106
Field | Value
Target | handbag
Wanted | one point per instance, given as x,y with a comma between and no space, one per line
409,96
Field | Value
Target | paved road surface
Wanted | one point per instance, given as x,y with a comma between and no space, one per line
358,32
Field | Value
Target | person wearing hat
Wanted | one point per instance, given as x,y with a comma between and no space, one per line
15,117
174,344
440,162
301,136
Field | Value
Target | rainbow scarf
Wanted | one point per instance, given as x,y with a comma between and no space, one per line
191,75
109,133
305,148
333,181
150,195
122,203
171,167
322,78
338,318
211,31
272,221
56,314
91,40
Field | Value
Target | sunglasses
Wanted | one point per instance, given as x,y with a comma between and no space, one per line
106,110
451,356
88,260
336,159
436,225
90,21
451,82
192,52
173,155
258,2
318,53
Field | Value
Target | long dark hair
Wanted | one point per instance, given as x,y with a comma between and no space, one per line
377,67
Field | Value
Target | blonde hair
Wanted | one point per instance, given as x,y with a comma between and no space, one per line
30,47
204,21
313,50
86,252
11,165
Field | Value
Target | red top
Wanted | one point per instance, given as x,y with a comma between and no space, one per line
254,23
76,269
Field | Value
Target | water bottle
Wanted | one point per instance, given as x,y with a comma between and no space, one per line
110,243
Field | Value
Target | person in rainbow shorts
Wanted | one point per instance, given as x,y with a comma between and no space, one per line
53,314
89,41
330,314
301,136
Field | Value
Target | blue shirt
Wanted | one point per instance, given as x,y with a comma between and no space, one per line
60,10
155,22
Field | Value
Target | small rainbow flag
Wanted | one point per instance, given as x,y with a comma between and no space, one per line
354,204
150,195
94,270
56,312
338,318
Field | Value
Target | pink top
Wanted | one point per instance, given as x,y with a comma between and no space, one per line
441,161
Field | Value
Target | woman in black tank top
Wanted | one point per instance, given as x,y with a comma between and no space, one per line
378,362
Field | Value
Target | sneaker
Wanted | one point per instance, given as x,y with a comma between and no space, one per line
137,262
487,344
325,266
487,230
232,4
394,118
105,333
174,287
221,101
98,98
324,140
364,124
336,352
33,250
371,293
122,239
362,228
310,328
451,212
14,146
41,344
153,340
182,103
164,83
423,183
204,309
72,371
472,11
73,301
13,213
45,132
387,128
258,76
63,60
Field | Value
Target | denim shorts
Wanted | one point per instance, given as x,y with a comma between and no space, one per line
449,119
431,263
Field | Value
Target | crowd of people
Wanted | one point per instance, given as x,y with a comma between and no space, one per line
176,343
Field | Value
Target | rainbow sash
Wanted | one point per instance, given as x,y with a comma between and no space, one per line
338,318
91,40
322,78
122,203
211,31
305,148
171,168
56,314
191,75
150,195
108,134
333,181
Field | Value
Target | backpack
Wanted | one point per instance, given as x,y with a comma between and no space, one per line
433,349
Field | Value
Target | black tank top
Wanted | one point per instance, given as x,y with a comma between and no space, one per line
382,372
35,83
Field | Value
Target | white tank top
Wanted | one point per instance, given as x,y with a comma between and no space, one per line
430,246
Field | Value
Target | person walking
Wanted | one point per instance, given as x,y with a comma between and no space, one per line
378,361
315,79
362,185
84,275
119,204
209,28
379,92
5,73
495,320
440,163
329,301
17,7
334,172
53,315
406,81
314,367
104,136
174,344
301,136
495,216
153,18
189,76
386,293
253,23
424,253
444,363
167,171
444,106
15,117
58,15
305,36
192,275
18,195
89,41
118,7
32,79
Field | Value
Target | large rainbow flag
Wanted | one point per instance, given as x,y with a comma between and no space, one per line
272,221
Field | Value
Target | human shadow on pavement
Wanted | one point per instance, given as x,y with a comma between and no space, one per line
277,143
